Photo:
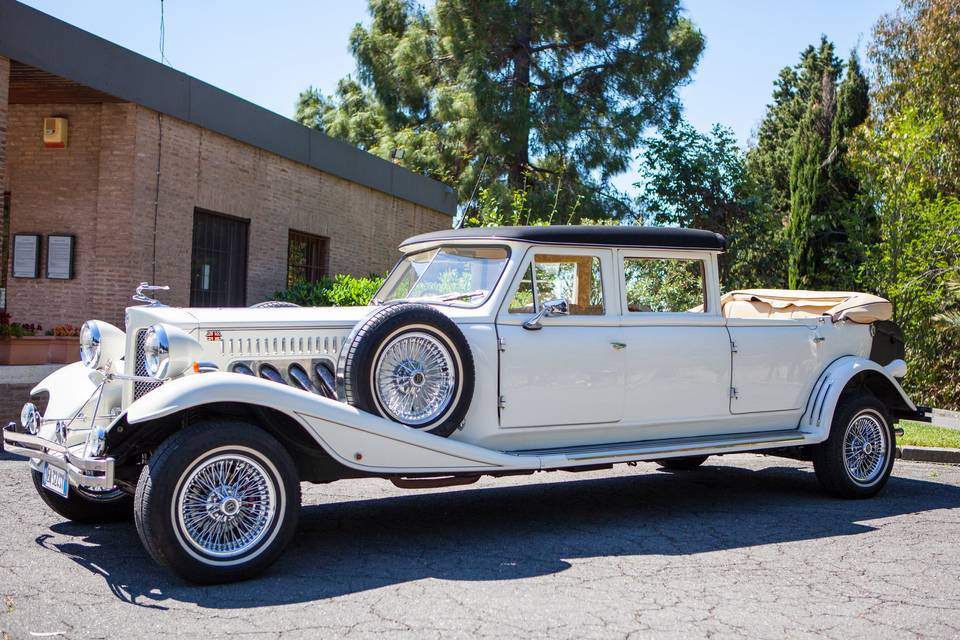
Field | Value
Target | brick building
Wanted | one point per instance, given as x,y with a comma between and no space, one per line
166,179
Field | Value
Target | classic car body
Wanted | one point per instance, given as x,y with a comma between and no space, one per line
491,352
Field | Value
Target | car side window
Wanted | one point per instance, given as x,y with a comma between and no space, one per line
523,300
670,285
576,279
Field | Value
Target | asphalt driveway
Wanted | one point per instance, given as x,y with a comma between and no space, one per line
746,547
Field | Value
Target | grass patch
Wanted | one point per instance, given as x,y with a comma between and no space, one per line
917,434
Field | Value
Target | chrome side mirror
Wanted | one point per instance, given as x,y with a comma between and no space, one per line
551,308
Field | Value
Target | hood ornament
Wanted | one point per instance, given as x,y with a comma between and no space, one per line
140,296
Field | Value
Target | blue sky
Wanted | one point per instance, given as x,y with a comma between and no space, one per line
267,52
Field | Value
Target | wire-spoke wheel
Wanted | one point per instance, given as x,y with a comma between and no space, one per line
865,447
411,364
857,457
414,378
226,505
218,501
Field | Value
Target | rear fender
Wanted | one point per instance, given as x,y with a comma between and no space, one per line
354,438
842,374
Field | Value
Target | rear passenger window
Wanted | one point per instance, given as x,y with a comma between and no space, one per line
664,285
575,279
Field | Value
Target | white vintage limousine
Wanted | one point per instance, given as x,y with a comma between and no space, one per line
490,351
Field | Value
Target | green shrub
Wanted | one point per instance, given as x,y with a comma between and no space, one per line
340,291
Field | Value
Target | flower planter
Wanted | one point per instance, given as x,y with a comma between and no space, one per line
39,350
26,350
63,350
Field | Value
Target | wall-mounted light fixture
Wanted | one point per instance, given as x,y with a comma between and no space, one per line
55,133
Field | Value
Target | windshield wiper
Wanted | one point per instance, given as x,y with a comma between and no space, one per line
451,297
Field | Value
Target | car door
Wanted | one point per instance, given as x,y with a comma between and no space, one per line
775,363
570,371
678,348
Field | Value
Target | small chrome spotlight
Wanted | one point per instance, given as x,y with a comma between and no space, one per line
30,418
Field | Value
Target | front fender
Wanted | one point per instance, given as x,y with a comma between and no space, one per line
69,389
354,438
818,415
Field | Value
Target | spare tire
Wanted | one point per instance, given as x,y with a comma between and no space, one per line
274,304
411,364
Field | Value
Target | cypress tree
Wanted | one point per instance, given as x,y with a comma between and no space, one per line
828,225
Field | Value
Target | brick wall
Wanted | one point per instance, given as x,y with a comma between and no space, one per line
102,189
4,89
54,191
203,169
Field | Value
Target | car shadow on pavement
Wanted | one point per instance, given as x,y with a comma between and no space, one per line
512,532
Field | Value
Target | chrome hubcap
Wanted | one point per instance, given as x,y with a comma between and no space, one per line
227,505
414,378
865,448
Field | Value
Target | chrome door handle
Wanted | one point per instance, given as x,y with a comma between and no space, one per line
619,345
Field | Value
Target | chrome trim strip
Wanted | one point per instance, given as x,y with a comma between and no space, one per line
747,444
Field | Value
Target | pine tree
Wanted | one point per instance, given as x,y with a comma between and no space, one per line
550,97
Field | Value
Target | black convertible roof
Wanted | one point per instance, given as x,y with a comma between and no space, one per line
602,236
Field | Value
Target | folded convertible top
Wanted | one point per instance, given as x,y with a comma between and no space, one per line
857,307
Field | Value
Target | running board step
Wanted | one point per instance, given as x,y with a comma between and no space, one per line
673,446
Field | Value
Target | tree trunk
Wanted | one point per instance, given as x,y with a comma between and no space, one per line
519,130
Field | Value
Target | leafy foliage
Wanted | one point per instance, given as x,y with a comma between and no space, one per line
340,291
700,180
549,97
907,157
914,54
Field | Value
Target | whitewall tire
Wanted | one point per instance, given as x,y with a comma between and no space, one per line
218,501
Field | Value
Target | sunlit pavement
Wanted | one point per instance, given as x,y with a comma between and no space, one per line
746,546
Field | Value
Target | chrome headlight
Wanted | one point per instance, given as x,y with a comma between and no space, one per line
30,418
156,351
100,341
168,351
90,344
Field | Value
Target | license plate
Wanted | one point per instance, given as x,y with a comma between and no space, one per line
55,480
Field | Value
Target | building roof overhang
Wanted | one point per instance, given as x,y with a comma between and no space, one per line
43,42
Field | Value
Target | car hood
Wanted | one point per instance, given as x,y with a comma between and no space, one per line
225,318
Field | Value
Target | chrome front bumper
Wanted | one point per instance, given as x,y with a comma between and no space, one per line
94,473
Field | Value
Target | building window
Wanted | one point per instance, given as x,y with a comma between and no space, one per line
307,257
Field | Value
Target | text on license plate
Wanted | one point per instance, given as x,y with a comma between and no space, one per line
55,479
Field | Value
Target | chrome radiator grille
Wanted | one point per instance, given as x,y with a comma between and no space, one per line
141,388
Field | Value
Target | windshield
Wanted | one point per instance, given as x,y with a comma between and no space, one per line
451,274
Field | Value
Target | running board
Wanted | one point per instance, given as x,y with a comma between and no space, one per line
667,448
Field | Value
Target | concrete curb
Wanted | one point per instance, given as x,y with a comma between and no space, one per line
929,454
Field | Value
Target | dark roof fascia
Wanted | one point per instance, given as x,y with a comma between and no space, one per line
42,41
600,236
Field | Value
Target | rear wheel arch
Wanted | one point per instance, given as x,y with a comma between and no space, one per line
881,387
